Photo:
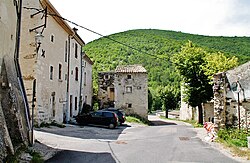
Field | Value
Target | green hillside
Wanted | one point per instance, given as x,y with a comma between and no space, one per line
154,49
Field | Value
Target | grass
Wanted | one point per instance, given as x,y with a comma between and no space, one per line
235,140
132,119
36,157
194,123
53,123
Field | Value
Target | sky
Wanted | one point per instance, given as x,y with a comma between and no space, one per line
203,17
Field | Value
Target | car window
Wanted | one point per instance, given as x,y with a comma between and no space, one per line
107,114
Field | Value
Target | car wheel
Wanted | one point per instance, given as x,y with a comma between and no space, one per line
111,125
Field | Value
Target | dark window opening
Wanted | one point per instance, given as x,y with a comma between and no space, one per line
60,72
75,103
52,38
66,51
76,73
129,76
76,49
51,73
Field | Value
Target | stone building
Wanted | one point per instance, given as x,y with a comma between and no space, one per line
14,114
52,69
87,82
232,97
125,88
106,89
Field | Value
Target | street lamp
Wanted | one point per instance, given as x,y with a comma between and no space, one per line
38,39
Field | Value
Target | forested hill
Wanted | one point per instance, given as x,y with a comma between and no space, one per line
155,47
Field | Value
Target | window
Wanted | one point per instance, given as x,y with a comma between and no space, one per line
60,71
108,114
52,38
75,103
76,73
129,89
70,106
51,73
129,76
66,51
129,105
106,77
76,49
85,78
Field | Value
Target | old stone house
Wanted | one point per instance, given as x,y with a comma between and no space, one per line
232,97
125,88
231,103
52,69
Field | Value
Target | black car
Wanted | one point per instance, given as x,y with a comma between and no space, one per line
121,115
100,117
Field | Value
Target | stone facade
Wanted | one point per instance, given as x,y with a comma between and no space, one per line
55,65
126,88
14,119
106,90
232,97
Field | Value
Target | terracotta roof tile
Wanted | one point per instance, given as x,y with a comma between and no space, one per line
131,69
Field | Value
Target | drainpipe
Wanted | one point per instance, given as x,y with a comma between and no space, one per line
18,69
80,99
67,89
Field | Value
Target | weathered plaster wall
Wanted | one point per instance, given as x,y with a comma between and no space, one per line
138,97
87,83
186,111
50,93
74,85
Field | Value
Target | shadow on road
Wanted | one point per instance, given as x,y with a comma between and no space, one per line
161,123
86,132
67,156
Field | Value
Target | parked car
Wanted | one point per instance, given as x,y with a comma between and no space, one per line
121,114
100,117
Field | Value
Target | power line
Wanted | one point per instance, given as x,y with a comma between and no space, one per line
97,33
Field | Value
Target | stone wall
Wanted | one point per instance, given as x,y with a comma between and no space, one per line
132,94
232,97
14,115
105,83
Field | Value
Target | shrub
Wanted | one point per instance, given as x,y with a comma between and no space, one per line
234,137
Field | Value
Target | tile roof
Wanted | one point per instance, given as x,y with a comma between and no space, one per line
131,69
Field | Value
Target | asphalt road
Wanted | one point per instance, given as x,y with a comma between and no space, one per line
166,141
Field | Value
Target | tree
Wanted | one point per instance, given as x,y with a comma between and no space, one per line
168,97
189,62
150,101
218,62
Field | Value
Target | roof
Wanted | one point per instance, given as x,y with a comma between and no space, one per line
131,69
52,10
88,59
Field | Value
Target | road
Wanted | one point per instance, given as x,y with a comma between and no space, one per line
165,141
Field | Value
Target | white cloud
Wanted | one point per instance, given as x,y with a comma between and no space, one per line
205,17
